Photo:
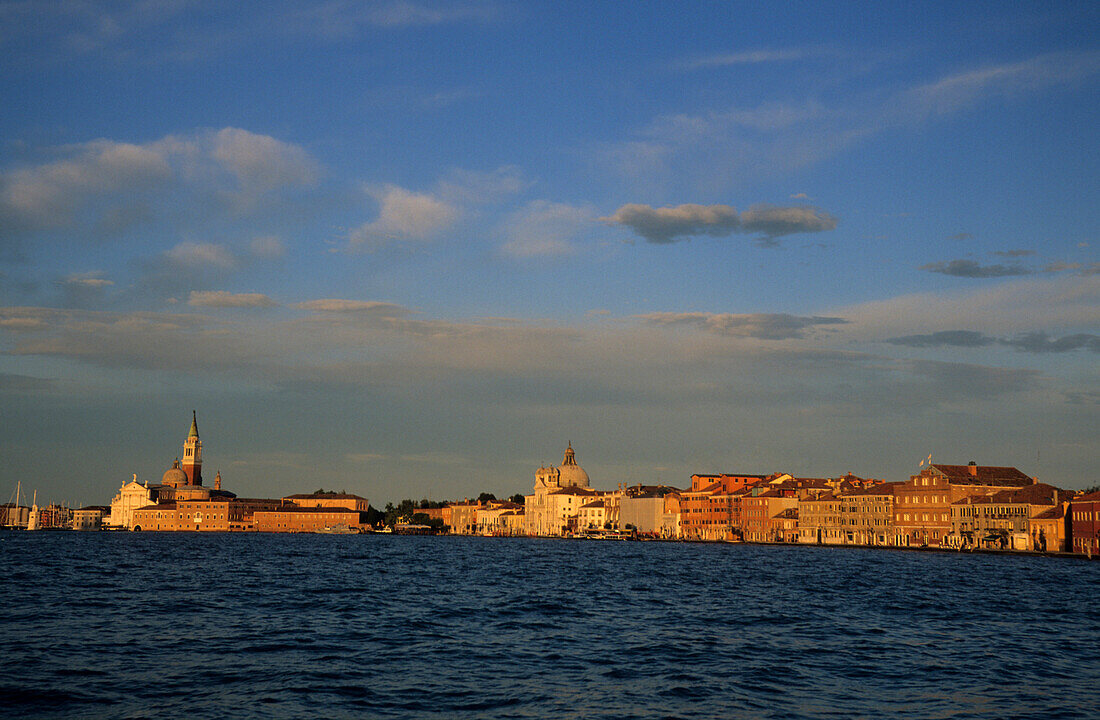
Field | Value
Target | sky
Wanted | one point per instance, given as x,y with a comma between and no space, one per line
412,249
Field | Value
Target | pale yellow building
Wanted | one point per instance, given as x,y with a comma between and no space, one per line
558,496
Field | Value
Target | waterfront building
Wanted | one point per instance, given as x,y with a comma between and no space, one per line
132,496
558,495
322,498
1002,520
90,517
1050,529
758,512
673,517
784,526
13,515
500,518
296,519
819,520
218,514
461,517
644,507
922,506
867,512
1085,523
711,508
593,516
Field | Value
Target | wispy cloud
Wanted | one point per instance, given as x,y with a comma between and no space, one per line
91,279
971,269
543,228
337,305
961,90
762,326
716,148
193,255
341,19
750,57
945,338
1040,342
225,299
670,224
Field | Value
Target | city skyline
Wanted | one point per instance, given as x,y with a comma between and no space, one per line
412,249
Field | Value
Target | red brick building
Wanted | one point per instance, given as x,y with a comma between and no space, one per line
1085,523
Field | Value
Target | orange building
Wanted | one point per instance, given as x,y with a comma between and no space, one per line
711,509
214,515
1050,529
922,506
294,519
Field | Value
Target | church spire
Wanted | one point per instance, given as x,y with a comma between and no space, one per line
194,426
569,458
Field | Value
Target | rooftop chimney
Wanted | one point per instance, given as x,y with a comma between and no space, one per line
973,467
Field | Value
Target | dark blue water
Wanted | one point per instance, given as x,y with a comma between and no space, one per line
144,625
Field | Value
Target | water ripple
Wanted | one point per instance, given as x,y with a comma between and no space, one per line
114,625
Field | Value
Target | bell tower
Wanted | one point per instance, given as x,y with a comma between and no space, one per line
192,454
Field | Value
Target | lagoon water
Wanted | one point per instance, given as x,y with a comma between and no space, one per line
144,625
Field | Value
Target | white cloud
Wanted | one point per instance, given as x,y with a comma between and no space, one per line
403,216
119,185
225,299
47,195
260,162
544,228
198,255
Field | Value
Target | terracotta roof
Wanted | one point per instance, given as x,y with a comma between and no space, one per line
983,475
297,509
1037,494
158,506
1091,497
325,496
880,489
1055,513
575,491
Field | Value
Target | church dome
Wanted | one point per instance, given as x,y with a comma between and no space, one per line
174,477
570,474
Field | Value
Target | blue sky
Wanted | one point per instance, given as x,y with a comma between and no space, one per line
413,248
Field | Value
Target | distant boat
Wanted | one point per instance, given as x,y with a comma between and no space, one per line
338,530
